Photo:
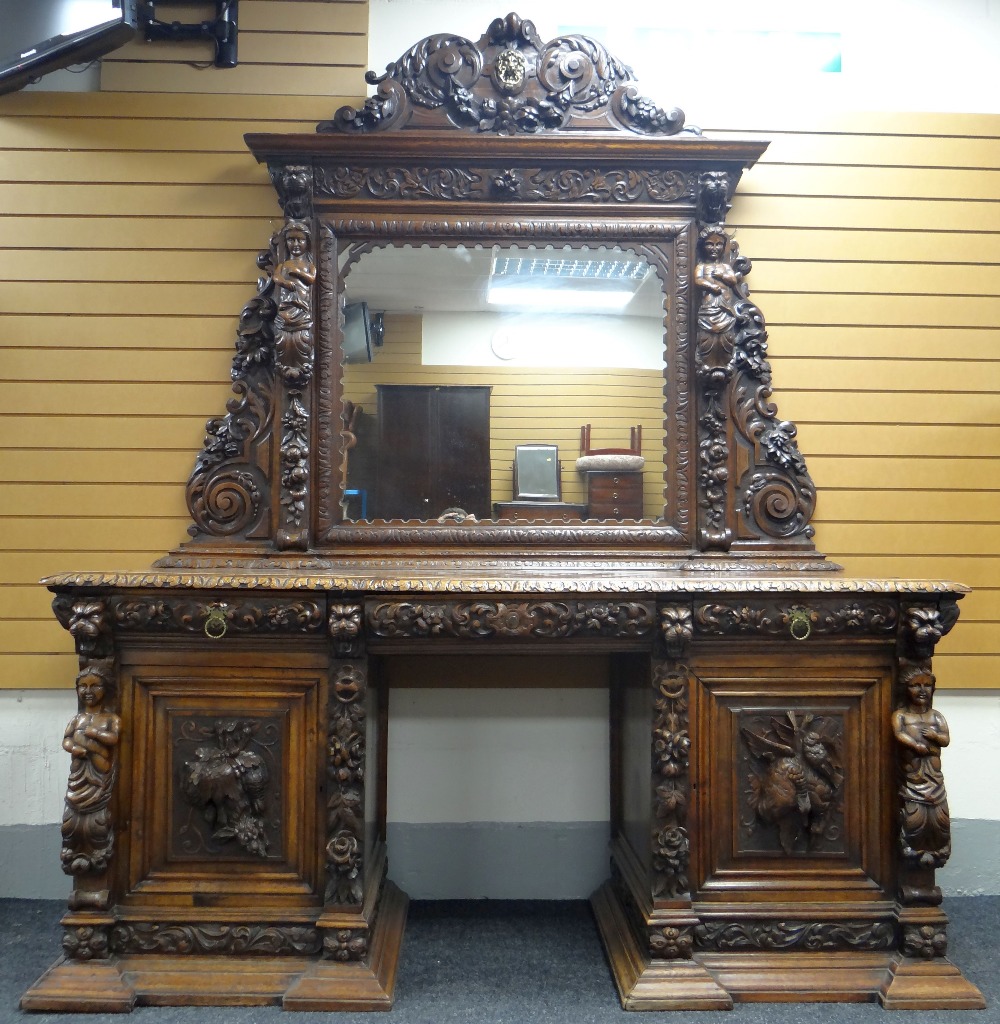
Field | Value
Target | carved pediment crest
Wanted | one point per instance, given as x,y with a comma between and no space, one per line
508,82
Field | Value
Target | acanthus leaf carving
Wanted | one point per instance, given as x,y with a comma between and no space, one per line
230,938
241,616
725,936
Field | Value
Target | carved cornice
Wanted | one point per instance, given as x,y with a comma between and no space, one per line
511,183
524,620
328,575
464,228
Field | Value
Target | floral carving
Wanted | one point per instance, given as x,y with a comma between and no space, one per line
489,619
671,943
925,941
294,461
671,750
345,769
346,944
769,618
228,782
278,616
86,942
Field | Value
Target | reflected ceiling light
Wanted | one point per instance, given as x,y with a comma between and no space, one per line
559,284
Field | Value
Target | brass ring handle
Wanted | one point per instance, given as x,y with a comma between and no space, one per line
216,625
799,623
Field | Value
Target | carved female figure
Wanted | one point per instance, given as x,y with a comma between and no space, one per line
719,284
925,832
295,276
91,739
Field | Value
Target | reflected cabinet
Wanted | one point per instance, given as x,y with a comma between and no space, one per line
506,250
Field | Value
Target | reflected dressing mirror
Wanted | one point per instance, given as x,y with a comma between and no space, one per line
484,349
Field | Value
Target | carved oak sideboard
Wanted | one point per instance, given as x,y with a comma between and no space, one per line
777,804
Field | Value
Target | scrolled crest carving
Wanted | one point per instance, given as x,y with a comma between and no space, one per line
509,82
227,493
775,497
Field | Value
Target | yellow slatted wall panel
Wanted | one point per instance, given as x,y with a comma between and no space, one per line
130,222
129,225
529,406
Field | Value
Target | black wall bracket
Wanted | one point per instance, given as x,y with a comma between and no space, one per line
223,30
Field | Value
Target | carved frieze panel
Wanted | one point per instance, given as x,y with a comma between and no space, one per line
511,183
219,616
227,787
797,935
522,620
798,620
231,939
790,777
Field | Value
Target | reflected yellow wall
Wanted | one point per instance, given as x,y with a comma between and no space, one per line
129,225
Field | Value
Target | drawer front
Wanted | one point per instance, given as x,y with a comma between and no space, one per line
615,495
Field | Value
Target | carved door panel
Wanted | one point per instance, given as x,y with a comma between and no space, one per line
794,792
225,775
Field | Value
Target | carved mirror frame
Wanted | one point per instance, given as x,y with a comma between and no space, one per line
504,140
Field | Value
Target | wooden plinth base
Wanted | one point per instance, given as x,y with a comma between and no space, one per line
929,985
296,983
714,981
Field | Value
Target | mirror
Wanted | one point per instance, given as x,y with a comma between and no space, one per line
463,354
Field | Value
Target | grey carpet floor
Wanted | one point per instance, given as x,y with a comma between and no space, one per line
504,962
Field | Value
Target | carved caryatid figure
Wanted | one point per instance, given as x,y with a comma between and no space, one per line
295,276
925,830
92,741
800,781
719,283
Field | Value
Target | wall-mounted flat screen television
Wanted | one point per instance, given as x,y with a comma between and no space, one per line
39,36
362,332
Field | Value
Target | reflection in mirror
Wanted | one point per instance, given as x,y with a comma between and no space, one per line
483,350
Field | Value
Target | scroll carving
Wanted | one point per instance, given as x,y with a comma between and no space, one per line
507,83
239,616
217,939
774,618
723,936
514,620
346,774
228,493
794,788
775,496
921,732
671,752
91,739
228,782
521,184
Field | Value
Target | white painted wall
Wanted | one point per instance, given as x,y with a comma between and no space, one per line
477,755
